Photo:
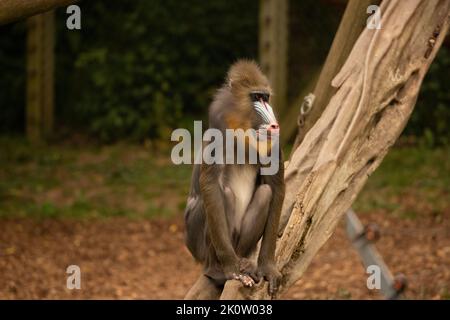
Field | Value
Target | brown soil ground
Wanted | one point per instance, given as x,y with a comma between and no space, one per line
146,259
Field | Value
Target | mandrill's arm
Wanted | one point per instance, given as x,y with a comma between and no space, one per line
216,219
266,259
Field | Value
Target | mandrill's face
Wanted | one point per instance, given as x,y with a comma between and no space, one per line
265,123
250,108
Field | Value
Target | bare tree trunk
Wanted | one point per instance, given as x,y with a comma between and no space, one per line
12,10
40,70
273,46
376,92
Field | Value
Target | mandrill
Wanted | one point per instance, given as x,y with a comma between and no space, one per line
232,206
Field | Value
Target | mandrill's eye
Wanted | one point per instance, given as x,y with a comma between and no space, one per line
259,95
260,101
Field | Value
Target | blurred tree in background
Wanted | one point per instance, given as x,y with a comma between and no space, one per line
12,78
138,69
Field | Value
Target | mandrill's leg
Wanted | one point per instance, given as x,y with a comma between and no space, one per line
230,202
254,221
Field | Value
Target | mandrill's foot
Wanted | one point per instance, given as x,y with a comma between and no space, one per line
246,280
273,276
247,270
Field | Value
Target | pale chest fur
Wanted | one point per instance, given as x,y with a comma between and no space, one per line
241,180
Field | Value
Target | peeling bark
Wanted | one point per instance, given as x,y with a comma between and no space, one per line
352,24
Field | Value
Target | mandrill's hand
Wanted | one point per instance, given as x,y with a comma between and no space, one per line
270,273
244,272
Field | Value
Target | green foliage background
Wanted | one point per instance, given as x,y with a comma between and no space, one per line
136,68
144,66
139,68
